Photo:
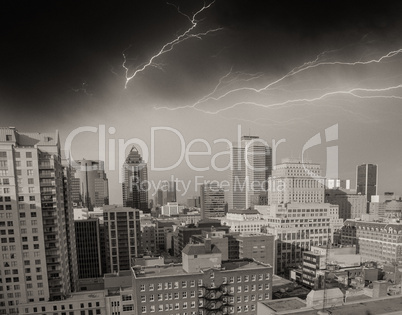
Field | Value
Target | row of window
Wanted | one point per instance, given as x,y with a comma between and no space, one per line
175,285
3,154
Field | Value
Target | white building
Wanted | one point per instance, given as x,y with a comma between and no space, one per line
244,221
172,208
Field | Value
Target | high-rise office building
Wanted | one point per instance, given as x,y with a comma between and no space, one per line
122,237
135,185
171,192
90,185
88,244
249,172
212,201
294,181
297,214
159,198
367,180
35,256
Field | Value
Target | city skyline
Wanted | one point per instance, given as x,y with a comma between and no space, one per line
342,71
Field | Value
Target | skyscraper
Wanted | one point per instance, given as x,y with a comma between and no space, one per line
90,187
212,201
135,185
122,237
35,258
171,192
367,180
250,169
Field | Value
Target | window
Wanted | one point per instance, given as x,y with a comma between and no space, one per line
142,287
143,309
29,163
31,189
31,198
28,155
32,206
29,172
30,181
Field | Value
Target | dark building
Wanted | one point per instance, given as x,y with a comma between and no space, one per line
70,230
88,244
226,242
135,185
366,180
171,192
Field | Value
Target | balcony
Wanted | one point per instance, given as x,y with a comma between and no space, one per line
47,175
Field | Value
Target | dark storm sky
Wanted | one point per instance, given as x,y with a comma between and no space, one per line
49,47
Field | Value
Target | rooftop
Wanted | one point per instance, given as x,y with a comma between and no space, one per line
177,269
199,249
285,304
243,211
382,306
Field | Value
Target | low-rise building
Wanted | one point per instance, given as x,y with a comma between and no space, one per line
203,284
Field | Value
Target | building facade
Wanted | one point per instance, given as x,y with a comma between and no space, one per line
212,201
378,241
122,237
351,206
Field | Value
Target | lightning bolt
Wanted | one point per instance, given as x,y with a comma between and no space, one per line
295,71
187,34
351,92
